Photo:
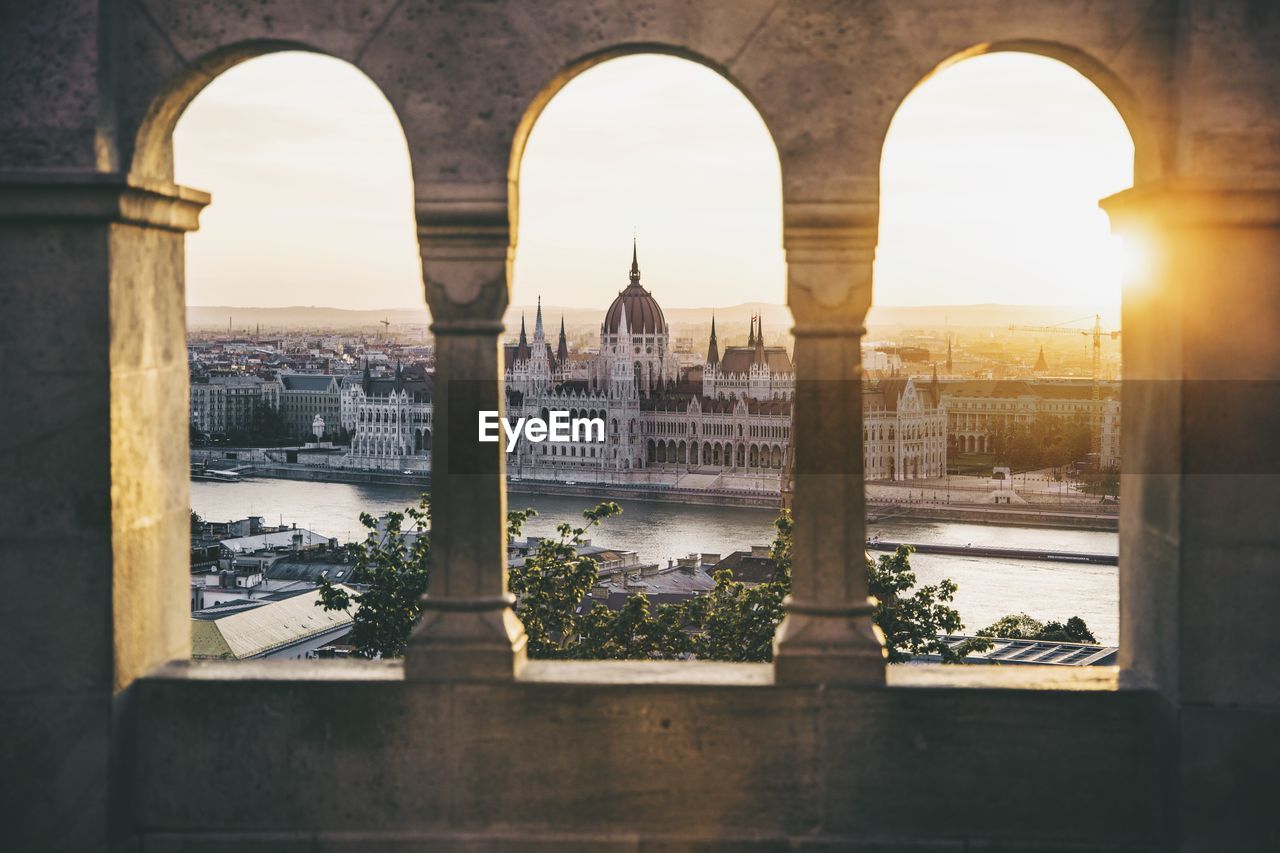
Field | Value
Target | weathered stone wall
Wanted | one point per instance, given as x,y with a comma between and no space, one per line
96,751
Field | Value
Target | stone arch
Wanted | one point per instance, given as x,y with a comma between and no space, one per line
586,62
150,154
1147,154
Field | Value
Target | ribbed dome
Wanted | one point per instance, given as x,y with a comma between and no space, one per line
644,315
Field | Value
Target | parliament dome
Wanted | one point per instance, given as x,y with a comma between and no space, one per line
644,315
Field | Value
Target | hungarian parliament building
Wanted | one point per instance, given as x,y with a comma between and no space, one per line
723,424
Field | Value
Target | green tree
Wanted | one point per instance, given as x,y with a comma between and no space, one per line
551,582
737,621
267,427
636,632
1020,626
394,568
913,624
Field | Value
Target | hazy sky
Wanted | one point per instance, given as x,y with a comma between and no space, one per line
991,177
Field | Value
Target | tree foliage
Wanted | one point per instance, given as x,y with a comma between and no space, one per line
735,621
912,624
552,581
1020,626
1046,442
393,568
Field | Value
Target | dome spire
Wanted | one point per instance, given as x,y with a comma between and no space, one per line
635,263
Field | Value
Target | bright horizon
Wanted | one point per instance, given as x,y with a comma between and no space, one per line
995,164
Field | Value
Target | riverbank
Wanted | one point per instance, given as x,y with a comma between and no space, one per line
983,514
989,586
1037,554
1021,516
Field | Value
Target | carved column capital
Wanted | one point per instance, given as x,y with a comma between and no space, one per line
830,247
39,195
467,247
1185,203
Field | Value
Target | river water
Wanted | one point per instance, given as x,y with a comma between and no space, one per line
989,587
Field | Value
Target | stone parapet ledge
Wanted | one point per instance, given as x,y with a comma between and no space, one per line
574,750
692,674
110,196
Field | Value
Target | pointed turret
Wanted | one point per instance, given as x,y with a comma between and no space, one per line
623,327
713,348
1041,365
537,323
758,355
522,349
948,353
635,264
751,335
562,351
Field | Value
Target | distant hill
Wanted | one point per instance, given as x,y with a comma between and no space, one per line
318,317
299,317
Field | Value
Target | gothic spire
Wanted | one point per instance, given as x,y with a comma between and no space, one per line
562,352
537,323
751,335
759,352
713,348
522,350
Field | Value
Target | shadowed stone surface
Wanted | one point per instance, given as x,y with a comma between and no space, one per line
469,751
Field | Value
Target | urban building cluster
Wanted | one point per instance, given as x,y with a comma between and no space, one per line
716,421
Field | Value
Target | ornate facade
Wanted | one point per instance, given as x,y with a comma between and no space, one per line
904,431
733,416
390,420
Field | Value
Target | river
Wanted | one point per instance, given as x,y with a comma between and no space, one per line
989,587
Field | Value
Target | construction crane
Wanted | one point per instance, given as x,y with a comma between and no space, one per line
386,329
1097,334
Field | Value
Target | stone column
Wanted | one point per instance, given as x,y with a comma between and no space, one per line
827,635
1200,484
468,628
94,527
1200,459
